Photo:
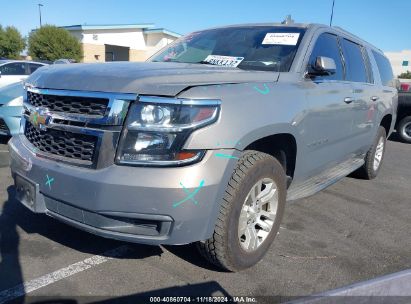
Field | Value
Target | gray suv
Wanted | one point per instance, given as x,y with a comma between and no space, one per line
207,140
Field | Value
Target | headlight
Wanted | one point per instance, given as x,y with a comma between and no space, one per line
156,129
16,102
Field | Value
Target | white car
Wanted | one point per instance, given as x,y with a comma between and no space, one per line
12,71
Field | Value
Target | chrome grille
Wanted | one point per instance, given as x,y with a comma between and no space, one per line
80,128
62,143
69,104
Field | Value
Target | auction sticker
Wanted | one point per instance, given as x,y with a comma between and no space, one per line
281,38
227,61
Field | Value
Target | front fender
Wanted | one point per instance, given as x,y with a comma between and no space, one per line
249,111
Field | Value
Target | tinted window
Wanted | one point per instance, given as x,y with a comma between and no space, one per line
354,62
327,46
368,64
256,46
384,67
16,68
33,67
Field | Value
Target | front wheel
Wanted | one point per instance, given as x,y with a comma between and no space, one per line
250,215
404,129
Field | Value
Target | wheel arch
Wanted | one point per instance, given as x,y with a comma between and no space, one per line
386,123
282,146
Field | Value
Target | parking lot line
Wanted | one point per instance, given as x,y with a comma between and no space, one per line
50,278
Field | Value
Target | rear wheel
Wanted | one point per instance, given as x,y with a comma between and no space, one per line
250,214
374,156
404,129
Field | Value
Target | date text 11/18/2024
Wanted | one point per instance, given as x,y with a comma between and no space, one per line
207,299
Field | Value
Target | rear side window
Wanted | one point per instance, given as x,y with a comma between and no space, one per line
368,64
384,67
327,46
33,67
354,62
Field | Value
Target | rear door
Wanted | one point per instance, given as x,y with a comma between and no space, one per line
365,95
328,122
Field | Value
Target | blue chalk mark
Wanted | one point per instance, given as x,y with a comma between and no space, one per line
265,91
225,155
49,181
191,195
188,192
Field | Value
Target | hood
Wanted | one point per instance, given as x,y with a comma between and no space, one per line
10,92
144,78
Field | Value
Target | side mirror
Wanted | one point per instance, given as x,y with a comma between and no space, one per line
323,66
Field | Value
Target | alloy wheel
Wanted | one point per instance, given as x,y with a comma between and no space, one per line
258,214
379,151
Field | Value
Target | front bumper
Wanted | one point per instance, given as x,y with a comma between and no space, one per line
137,204
10,120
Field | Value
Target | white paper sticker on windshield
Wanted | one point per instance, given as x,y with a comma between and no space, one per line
227,61
281,38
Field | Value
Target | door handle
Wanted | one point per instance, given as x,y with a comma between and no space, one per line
375,98
348,100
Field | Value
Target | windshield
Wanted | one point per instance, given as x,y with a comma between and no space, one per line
266,48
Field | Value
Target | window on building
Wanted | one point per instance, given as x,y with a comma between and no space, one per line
405,63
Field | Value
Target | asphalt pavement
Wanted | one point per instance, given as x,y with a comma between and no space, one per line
353,231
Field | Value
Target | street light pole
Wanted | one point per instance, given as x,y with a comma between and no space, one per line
40,5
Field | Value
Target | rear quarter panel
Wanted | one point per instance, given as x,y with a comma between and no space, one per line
388,97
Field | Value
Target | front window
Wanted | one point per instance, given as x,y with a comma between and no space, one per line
327,46
15,68
265,48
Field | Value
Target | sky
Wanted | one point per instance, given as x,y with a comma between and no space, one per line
381,22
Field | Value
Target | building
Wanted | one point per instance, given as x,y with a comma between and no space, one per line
400,61
120,42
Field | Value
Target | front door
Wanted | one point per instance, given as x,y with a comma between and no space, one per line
328,124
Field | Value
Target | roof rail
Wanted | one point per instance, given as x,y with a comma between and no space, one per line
355,36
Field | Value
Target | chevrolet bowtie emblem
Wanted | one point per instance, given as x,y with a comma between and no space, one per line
39,118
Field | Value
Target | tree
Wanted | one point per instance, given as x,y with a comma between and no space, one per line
52,43
11,42
406,75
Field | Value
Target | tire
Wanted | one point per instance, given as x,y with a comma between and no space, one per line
374,157
231,247
404,129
